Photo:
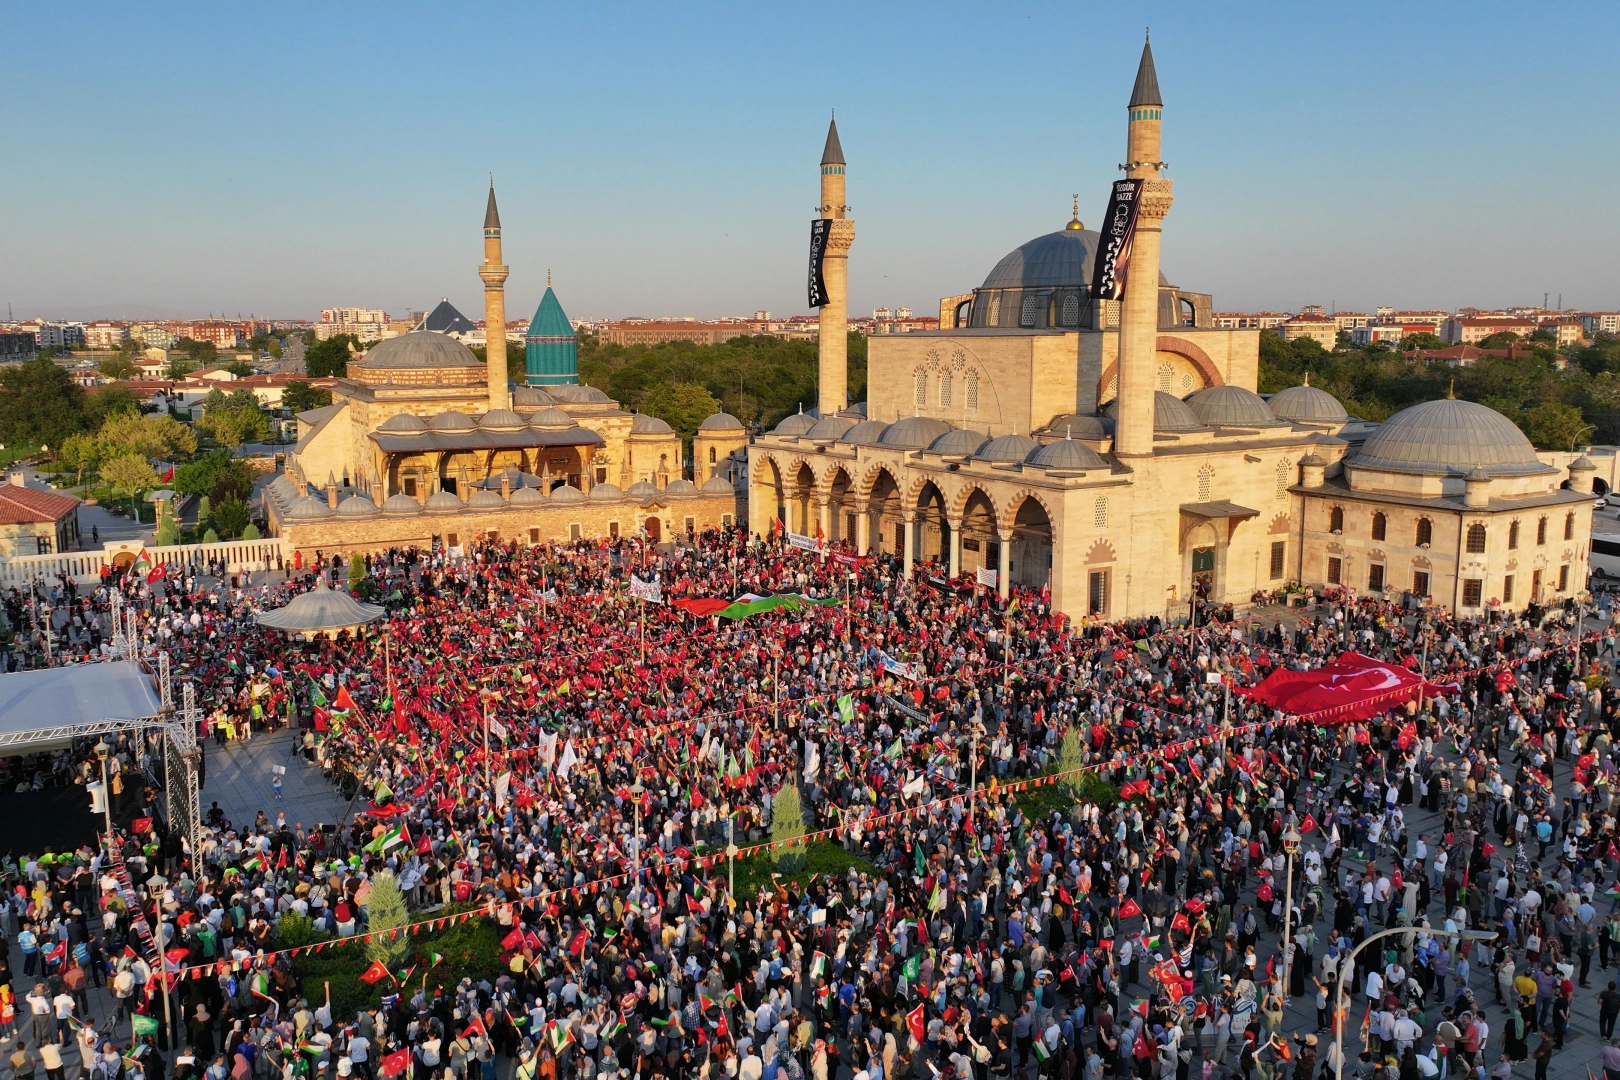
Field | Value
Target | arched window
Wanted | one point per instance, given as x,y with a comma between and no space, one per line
1513,536
995,310
1071,309
922,388
1476,539
1569,526
1164,377
945,390
1026,314
1284,474
1336,520
1380,525
1541,531
711,456
1425,532
1206,480
973,390
1099,512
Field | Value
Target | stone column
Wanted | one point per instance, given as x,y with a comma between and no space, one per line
1004,565
863,528
909,535
955,546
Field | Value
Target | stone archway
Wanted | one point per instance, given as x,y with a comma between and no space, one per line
884,516
933,527
1032,535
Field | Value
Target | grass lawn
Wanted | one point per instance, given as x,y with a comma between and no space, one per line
822,858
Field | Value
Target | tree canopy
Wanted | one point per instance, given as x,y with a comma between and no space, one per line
40,403
682,405
117,366
299,396
325,359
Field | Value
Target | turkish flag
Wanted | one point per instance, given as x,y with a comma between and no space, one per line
343,701
1129,909
396,1063
701,605
1353,687
375,973
918,1025
1308,825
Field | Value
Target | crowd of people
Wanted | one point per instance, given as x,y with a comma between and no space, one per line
1063,850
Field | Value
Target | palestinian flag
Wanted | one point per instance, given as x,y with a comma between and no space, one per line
142,563
396,835
560,1036
435,959
614,1028
1041,1052
255,863
1139,1006
818,965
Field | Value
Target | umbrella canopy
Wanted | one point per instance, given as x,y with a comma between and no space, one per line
321,610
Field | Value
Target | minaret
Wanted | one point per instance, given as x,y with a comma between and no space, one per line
833,347
1139,322
494,274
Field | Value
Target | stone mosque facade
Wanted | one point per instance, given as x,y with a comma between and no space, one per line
425,444
1117,453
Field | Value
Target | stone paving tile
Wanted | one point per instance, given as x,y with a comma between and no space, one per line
239,779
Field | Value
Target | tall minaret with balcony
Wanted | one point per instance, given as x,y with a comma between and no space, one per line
494,272
833,347
1139,321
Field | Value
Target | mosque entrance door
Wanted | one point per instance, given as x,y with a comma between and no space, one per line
655,530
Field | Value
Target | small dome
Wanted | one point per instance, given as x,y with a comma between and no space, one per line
1478,476
552,418
527,496
647,424
962,442
1079,426
1582,464
607,492
284,487
795,424
443,501
400,504
721,421
641,489
913,432
403,423
1170,414
1231,406
532,396
419,349
501,420
307,508
356,506
578,394
1448,438
486,497
717,485
1008,448
830,428
567,493
451,421
1311,460
683,486
1307,405
1066,454
865,433
513,478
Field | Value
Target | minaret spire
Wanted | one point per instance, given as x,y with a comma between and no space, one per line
832,346
493,272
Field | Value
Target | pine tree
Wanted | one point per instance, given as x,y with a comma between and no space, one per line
787,826
1071,756
386,910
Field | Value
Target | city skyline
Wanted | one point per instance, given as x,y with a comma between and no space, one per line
660,167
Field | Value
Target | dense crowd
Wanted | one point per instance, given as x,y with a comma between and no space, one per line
974,925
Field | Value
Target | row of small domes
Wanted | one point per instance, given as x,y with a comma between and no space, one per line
551,418
307,507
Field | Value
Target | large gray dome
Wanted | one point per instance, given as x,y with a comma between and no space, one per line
1066,454
1065,258
1308,405
1170,414
419,349
1231,406
1449,438
962,441
1007,448
795,424
913,432
865,433
648,424
830,428
721,421
1079,426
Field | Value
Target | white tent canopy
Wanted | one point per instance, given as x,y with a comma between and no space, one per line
321,610
44,708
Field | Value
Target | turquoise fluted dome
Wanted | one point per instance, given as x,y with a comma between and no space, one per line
551,351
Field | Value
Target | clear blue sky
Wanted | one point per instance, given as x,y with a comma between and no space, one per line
661,158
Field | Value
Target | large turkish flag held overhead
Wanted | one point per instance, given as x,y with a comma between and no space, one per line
1353,687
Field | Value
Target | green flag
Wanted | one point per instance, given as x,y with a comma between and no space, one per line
910,968
846,708
144,1025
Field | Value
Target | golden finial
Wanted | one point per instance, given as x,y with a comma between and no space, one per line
548,277
1307,378
1075,223
1451,390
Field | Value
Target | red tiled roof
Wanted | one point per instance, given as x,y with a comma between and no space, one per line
22,505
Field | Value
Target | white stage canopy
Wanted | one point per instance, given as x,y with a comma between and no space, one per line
43,709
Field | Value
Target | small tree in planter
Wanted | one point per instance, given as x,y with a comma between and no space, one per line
385,911
787,827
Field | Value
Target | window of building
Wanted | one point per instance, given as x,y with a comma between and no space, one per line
1563,578
1279,553
1283,476
945,390
1513,536
712,457
1099,512
1380,525
492,534
574,531
1336,520
1071,310
1472,589
1335,570
1476,539
1420,582
1541,531
1535,586
410,486
1026,314
1206,481
42,545
1569,526
1097,593
995,310
613,529
534,536
691,525
972,390
1164,377
1375,577
452,539
921,388
1425,532
725,521
1186,380
601,476
1507,589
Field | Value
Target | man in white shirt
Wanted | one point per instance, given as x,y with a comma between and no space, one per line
1375,987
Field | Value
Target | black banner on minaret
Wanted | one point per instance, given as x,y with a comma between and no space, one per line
1119,225
820,231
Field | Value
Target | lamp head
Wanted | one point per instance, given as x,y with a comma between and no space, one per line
1291,841
103,750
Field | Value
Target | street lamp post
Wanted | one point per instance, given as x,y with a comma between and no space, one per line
1349,961
1290,844
636,791
103,751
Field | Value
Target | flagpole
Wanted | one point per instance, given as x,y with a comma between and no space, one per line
163,969
487,781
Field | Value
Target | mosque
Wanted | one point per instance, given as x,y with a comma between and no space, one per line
1115,451
425,444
